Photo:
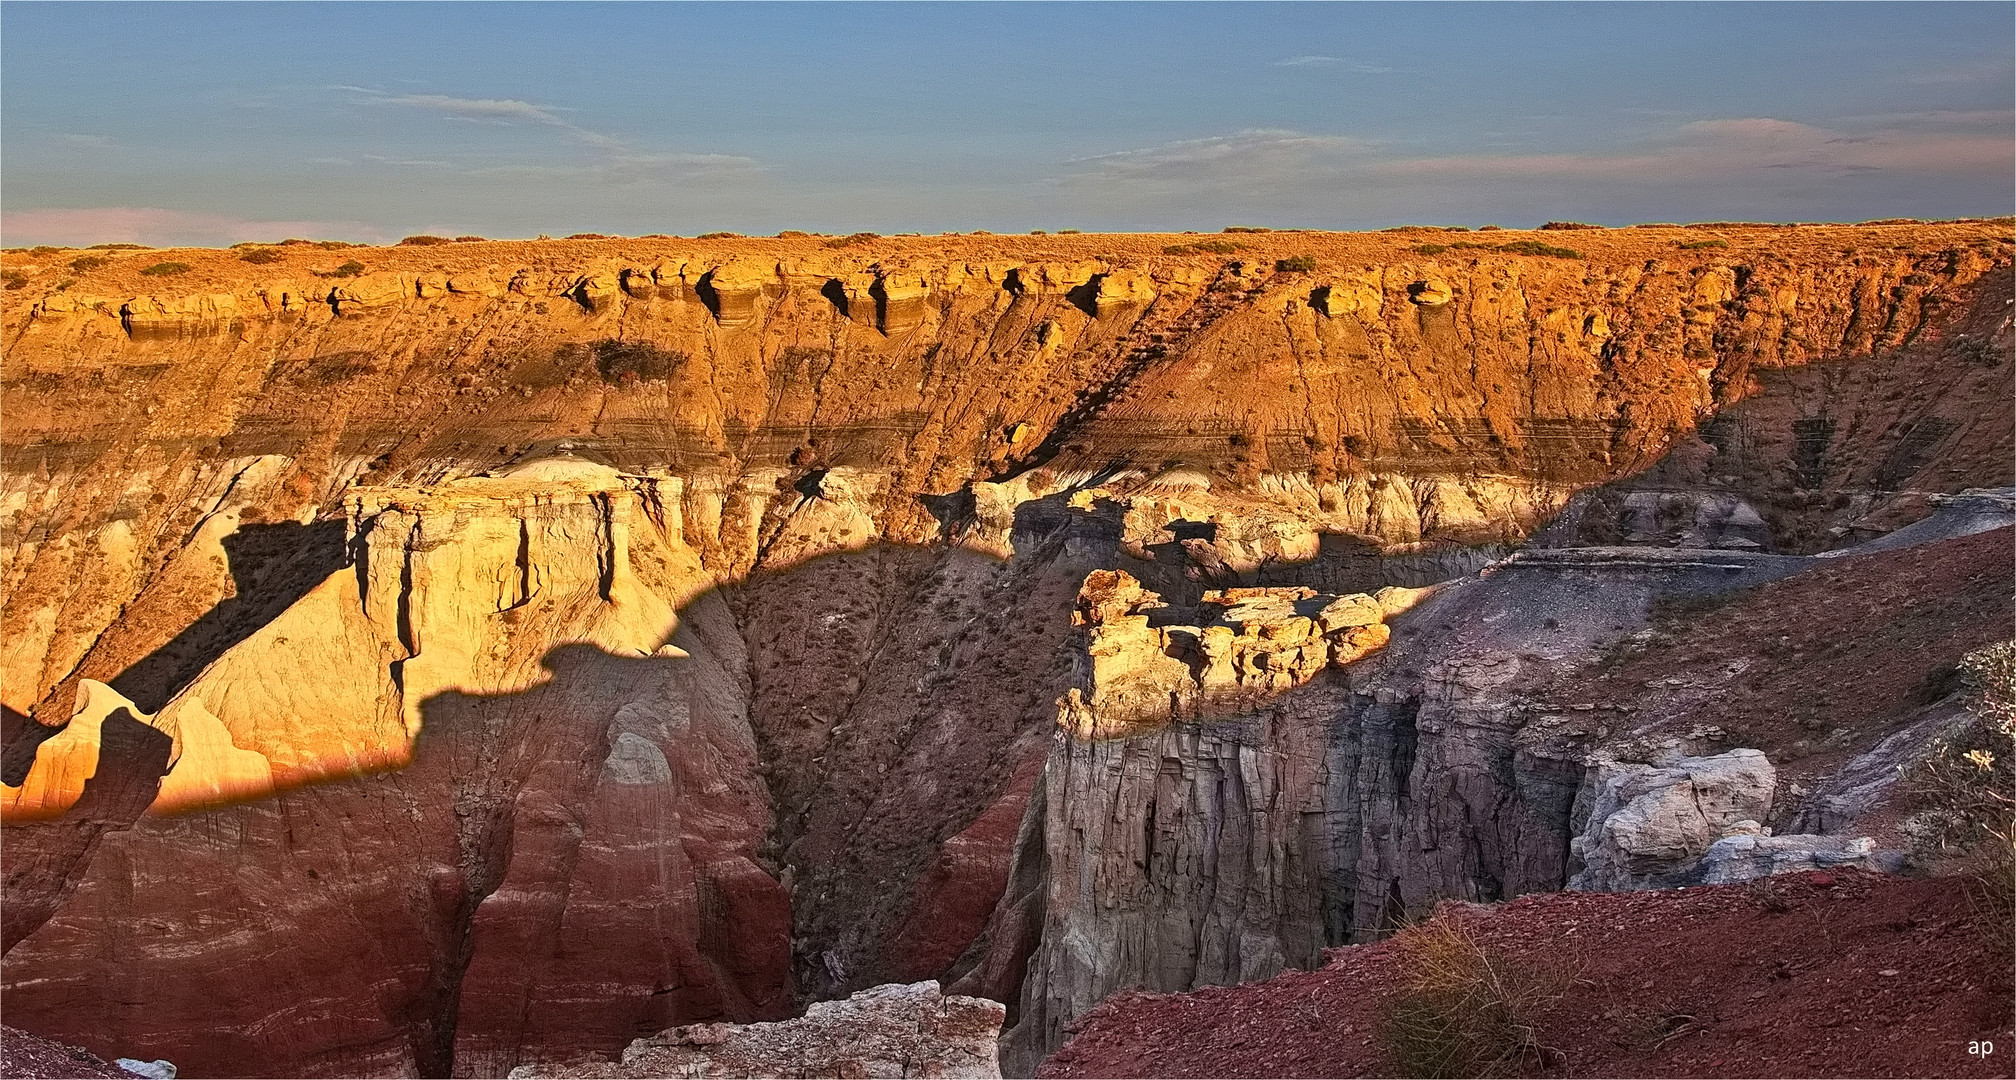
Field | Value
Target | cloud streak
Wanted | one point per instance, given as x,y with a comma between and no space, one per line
1708,150
1241,155
618,160
159,227
1354,66
491,109
1721,149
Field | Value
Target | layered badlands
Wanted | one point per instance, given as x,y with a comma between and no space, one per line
518,649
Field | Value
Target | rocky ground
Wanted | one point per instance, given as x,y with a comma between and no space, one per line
31,1057
1817,666
1817,974
887,1031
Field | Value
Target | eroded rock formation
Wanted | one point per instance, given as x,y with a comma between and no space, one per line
570,641
887,1031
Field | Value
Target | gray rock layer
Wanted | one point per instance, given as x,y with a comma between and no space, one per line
893,1030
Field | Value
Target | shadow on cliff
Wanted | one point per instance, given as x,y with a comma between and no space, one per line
271,567
539,793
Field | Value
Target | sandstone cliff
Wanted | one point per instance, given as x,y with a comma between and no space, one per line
574,640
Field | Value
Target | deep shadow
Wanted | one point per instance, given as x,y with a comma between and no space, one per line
836,292
46,859
880,296
708,294
272,566
954,512
19,737
1086,297
807,486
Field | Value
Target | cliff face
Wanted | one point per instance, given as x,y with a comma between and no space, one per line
560,642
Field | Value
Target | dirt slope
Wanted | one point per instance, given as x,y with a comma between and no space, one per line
1845,974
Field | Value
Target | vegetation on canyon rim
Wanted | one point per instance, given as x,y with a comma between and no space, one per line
1966,786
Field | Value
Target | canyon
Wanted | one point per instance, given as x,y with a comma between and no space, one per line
452,659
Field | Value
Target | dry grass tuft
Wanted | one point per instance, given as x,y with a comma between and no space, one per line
1464,1008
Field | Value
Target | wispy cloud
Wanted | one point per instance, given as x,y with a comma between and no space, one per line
1959,74
1758,165
617,160
2001,119
158,227
1728,148
494,110
1244,155
1332,61
93,142
406,163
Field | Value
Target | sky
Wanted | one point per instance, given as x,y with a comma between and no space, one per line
185,123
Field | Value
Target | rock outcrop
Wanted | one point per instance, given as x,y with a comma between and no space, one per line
534,645
887,1031
1695,821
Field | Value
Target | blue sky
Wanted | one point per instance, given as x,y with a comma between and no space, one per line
199,123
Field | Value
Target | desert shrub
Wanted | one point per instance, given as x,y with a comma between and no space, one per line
1535,247
348,269
1697,245
424,241
1514,247
591,236
13,279
260,256
1245,229
793,234
1555,226
84,264
1039,232
1204,247
1462,1008
116,247
470,239
1295,264
617,361
1964,786
164,269
1069,232
334,245
718,235
850,241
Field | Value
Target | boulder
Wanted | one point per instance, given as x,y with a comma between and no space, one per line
1745,856
1649,827
893,1030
